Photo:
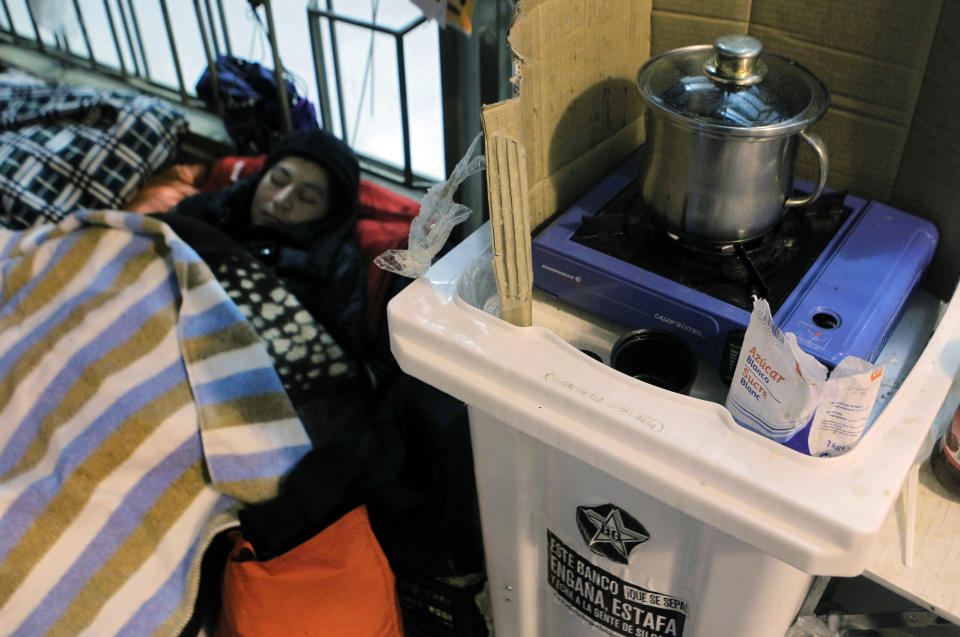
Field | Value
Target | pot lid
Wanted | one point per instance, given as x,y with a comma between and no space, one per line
733,87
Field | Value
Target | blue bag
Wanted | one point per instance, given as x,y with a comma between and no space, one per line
252,113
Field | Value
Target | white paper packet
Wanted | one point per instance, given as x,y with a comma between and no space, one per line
776,386
785,394
848,399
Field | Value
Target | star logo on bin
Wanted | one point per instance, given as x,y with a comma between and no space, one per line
610,531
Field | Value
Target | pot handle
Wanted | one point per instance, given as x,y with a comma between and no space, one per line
821,150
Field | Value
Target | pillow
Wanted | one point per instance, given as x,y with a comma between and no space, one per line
66,148
166,189
229,170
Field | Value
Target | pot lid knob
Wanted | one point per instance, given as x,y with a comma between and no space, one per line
736,60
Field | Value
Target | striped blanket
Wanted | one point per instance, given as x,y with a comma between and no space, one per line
138,412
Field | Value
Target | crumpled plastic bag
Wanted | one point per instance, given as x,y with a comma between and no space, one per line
438,215
811,626
54,15
477,284
787,395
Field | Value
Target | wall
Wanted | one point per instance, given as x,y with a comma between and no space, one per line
577,112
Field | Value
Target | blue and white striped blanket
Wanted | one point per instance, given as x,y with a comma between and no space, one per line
138,411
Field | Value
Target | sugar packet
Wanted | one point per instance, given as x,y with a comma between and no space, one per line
787,395
844,411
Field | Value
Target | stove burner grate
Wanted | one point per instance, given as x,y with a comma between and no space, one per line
769,267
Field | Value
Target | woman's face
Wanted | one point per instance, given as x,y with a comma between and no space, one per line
295,190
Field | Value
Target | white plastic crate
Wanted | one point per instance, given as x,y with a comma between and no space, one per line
735,525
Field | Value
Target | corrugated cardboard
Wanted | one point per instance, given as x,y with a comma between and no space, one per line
510,229
577,111
892,130
928,180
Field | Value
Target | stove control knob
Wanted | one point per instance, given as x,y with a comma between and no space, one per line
736,60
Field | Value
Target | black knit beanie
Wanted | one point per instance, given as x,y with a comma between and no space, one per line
336,158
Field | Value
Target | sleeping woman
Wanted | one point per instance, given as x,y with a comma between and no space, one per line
281,242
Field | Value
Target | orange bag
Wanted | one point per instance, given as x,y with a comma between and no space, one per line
336,583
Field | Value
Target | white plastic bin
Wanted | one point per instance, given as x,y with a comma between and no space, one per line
701,528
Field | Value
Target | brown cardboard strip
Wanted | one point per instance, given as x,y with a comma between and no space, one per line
510,229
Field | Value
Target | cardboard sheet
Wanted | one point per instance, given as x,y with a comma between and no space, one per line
578,111
575,117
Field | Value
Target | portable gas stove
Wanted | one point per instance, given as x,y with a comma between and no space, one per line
837,273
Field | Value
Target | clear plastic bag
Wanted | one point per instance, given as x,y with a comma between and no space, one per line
438,215
478,286
810,626
53,15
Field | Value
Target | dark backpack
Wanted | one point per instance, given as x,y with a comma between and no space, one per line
252,113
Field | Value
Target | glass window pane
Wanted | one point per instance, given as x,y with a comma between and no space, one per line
186,33
156,46
71,36
24,26
422,52
94,18
21,19
380,133
248,37
293,43
371,93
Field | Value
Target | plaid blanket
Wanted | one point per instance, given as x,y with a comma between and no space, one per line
67,148
138,411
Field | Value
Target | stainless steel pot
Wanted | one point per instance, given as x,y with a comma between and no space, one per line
723,124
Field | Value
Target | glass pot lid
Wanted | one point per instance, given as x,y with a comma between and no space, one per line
733,87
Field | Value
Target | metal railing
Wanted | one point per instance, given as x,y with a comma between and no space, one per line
315,15
127,43
133,62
